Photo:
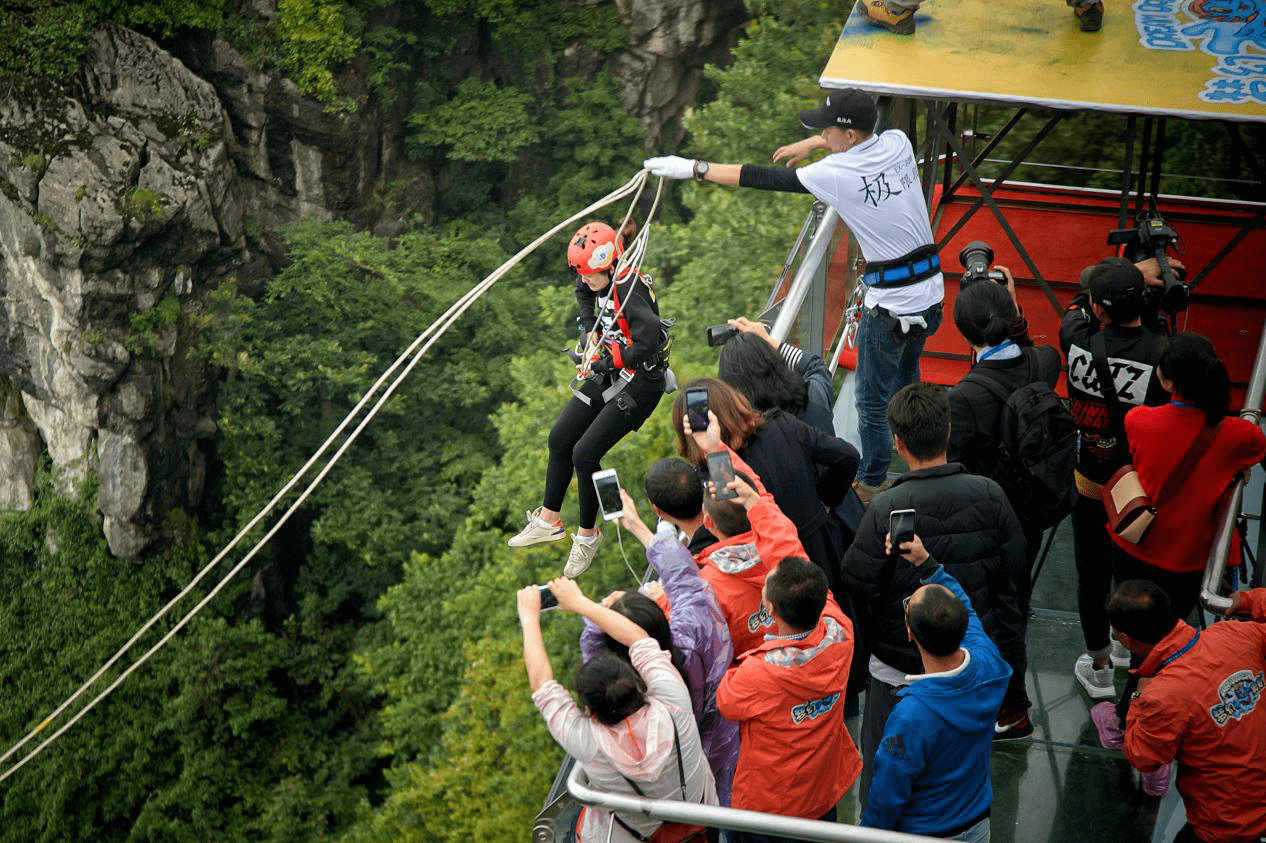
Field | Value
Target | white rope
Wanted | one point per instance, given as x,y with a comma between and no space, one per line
429,337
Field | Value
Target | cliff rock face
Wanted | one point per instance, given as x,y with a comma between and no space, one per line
118,212
669,44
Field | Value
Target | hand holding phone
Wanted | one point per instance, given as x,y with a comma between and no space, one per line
721,473
548,600
900,528
697,409
607,485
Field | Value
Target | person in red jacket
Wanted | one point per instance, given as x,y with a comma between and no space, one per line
795,756
1199,702
1175,550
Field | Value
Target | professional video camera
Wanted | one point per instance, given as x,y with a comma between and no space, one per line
976,258
1151,239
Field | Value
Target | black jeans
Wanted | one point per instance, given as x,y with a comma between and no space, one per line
1093,551
585,432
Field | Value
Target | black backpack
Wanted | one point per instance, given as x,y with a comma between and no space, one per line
1038,445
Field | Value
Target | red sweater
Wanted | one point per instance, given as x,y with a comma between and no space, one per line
1182,533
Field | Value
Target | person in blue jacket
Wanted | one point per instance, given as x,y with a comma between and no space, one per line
931,772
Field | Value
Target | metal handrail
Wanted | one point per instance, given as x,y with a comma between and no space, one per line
1216,564
804,277
672,810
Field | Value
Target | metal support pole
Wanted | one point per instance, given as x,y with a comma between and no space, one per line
1215,566
817,252
987,196
712,816
1127,171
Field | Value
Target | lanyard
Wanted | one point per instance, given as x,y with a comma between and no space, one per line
1183,404
1184,649
991,352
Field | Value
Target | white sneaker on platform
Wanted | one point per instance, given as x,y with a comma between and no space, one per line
582,553
1096,680
537,531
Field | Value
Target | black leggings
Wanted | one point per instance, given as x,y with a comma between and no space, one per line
585,432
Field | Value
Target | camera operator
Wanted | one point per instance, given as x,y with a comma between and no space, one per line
785,378
1110,317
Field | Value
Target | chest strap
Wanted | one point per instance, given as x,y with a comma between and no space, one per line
908,269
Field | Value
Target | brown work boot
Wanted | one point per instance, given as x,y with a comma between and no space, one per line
865,493
901,22
1089,16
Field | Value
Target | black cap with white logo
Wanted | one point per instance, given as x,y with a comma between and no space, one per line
847,108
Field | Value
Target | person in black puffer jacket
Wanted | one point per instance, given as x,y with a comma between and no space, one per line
966,523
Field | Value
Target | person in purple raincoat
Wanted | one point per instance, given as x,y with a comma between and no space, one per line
696,633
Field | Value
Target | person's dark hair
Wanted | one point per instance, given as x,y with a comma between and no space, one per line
610,687
737,418
1141,609
1190,361
729,516
938,620
984,314
919,414
646,613
751,365
674,486
796,590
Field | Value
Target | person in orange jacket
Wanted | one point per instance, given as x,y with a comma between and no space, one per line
1199,702
753,537
795,756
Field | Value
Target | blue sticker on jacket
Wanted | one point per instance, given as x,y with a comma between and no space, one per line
1240,693
812,709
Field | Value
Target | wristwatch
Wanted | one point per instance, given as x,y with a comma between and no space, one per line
701,170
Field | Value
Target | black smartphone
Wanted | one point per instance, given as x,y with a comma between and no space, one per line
608,487
548,600
721,473
697,409
901,528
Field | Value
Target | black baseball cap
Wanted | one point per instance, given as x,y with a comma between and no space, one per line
847,108
1115,281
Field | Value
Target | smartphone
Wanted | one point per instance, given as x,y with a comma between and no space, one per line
721,473
548,600
697,409
608,488
901,528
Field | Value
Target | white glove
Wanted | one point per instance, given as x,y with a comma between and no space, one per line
670,167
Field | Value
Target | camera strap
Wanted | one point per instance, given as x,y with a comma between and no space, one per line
908,269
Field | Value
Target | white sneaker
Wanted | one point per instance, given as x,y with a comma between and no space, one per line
1120,655
536,531
582,553
1096,681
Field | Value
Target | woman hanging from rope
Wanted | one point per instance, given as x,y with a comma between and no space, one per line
621,379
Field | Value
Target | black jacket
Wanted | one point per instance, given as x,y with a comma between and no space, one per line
1132,355
641,332
966,523
976,413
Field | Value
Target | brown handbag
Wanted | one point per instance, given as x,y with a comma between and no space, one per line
1130,510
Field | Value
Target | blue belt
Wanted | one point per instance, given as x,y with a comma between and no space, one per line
908,273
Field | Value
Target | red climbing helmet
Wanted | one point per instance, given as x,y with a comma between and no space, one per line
594,248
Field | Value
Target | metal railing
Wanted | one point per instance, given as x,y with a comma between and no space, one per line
807,272
1215,567
672,810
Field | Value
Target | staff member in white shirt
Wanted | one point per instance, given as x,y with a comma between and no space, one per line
872,182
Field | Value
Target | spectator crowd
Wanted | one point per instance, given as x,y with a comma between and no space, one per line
774,617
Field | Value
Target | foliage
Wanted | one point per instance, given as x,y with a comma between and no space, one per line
41,40
146,327
481,123
224,734
314,39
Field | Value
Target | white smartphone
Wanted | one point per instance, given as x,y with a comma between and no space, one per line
608,488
